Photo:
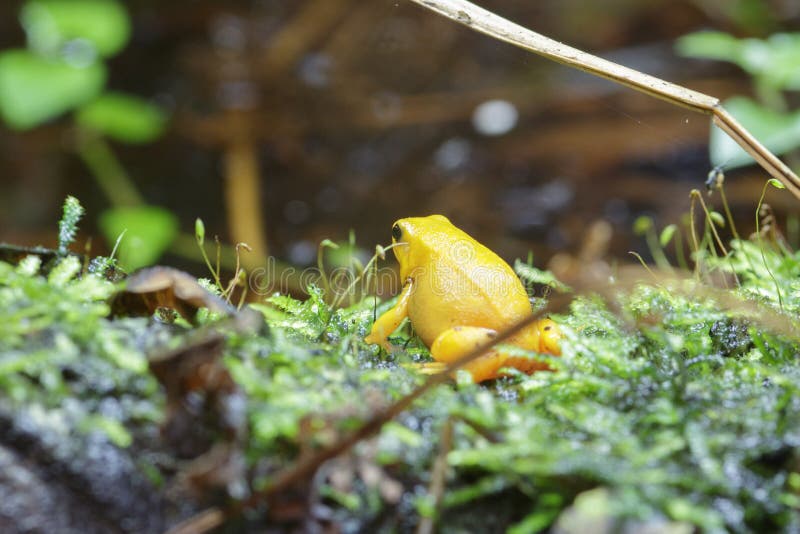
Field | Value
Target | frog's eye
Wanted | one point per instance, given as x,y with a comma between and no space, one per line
397,233
549,337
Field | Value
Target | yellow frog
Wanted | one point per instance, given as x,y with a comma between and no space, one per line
458,294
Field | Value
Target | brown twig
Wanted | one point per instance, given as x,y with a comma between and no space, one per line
486,22
300,34
481,430
438,477
197,524
243,193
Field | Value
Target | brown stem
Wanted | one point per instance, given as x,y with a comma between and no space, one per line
438,477
243,195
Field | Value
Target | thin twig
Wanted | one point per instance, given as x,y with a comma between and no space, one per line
107,170
438,478
487,434
693,234
761,245
714,233
486,22
198,524
728,213
243,206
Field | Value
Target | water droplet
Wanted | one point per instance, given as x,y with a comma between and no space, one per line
452,154
302,252
315,69
495,117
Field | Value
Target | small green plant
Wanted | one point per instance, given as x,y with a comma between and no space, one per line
63,70
68,225
59,354
772,64
347,280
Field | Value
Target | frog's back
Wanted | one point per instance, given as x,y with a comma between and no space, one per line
462,283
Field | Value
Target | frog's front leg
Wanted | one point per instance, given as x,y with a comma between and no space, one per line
391,319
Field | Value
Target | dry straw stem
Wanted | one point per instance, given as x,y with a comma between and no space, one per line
486,22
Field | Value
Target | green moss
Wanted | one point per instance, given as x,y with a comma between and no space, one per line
681,410
59,352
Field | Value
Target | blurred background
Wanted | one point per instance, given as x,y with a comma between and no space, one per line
281,123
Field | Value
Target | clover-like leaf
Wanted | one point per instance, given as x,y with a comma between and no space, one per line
35,89
122,117
149,230
780,132
55,26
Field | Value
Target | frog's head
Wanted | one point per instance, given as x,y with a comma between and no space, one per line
414,238
549,336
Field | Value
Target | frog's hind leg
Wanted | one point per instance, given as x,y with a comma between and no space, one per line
456,342
429,368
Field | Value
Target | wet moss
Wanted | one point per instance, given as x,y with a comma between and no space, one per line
682,410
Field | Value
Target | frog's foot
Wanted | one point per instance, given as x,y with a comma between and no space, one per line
379,340
428,368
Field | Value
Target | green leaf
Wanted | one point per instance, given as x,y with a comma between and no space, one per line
587,513
684,510
29,265
122,117
717,218
536,521
409,438
710,45
774,60
149,230
34,90
51,25
753,17
642,225
64,271
780,132
199,231
532,275
113,429
666,234
774,182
